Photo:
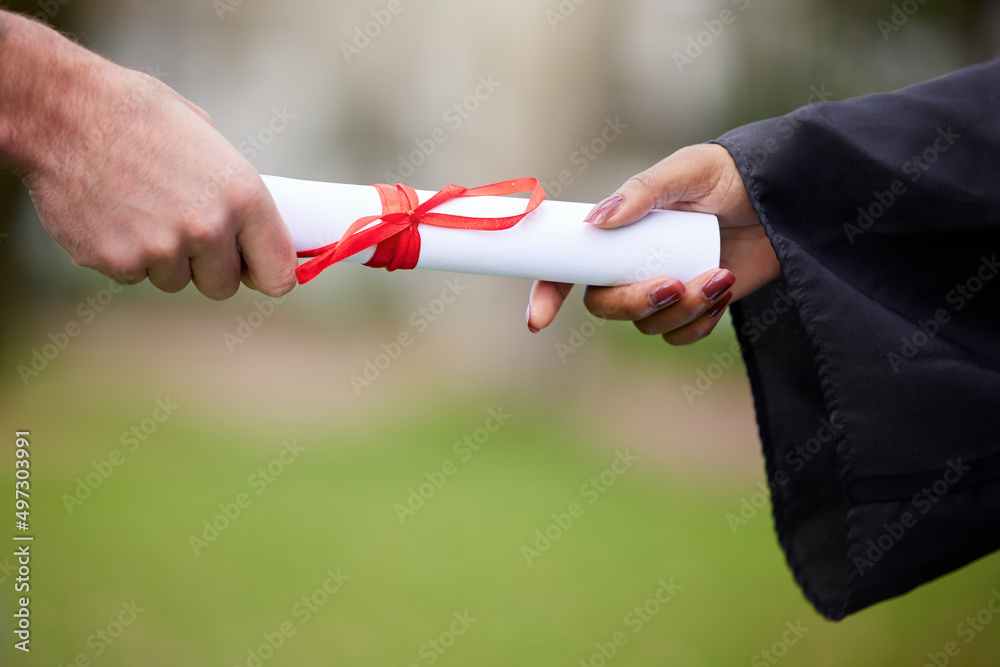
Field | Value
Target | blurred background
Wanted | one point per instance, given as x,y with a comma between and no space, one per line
277,483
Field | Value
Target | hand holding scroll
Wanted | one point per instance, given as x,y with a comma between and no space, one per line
699,178
128,176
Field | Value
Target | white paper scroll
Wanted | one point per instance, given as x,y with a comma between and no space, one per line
552,243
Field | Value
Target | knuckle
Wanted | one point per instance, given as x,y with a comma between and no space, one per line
699,329
705,162
162,249
642,181
246,193
618,303
118,262
281,284
635,302
204,231
126,273
88,261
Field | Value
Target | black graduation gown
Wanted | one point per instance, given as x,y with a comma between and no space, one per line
875,358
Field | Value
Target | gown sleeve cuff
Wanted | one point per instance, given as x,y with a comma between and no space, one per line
883,469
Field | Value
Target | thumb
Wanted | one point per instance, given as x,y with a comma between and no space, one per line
266,245
685,176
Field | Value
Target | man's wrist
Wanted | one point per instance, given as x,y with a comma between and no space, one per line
40,71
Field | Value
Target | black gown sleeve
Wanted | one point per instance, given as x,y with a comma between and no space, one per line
874,358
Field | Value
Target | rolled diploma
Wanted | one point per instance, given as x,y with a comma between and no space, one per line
551,243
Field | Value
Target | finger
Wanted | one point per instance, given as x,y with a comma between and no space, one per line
172,275
266,245
545,301
701,295
687,175
122,265
701,327
130,278
216,274
633,302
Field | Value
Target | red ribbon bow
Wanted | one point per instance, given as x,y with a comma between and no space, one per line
396,238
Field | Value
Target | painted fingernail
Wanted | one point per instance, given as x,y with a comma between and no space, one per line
719,307
665,294
527,317
718,284
604,210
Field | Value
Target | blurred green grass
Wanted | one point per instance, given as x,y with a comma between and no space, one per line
332,509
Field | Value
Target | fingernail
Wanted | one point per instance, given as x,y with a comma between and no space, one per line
719,307
527,317
665,294
604,210
718,284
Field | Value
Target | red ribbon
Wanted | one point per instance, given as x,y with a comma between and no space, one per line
396,238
